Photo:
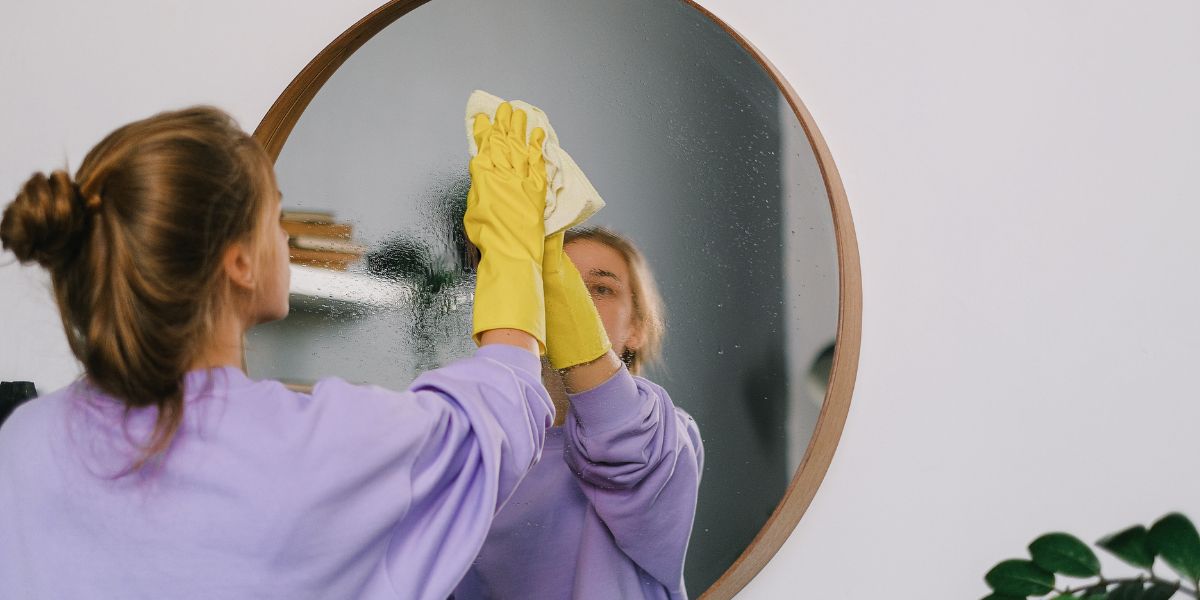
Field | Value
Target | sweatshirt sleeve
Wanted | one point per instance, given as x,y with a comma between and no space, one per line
440,459
639,460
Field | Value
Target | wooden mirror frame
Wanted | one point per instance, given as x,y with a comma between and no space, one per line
277,125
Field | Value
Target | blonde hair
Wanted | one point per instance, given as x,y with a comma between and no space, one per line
647,303
133,245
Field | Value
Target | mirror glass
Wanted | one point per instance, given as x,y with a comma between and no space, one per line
702,163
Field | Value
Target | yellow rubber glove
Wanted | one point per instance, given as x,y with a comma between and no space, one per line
505,219
574,331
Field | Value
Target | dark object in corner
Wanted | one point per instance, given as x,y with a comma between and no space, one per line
14,394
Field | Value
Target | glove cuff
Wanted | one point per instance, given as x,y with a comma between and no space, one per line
575,333
509,295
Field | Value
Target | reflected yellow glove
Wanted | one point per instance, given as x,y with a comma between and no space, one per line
574,332
505,220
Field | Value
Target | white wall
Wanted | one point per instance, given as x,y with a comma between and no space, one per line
1023,180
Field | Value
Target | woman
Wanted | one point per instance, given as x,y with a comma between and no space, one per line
165,472
608,510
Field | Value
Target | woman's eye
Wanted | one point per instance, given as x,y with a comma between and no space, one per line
602,290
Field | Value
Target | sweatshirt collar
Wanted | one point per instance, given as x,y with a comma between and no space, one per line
210,379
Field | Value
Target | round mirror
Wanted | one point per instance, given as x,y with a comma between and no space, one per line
708,163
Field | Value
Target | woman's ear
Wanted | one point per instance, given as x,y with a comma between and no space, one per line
239,266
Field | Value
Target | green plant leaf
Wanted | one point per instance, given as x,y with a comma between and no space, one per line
1130,590
1066,554
1174,538
999,596
1065,597
1160,591
1022,578
1130,545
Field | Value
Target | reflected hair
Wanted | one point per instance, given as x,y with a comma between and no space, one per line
133,246
648,309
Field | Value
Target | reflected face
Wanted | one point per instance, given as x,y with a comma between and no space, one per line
271,296
607,277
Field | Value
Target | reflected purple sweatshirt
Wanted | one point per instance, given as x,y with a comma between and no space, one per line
350,492
607,512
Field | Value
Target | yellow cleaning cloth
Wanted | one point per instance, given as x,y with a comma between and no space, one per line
570,197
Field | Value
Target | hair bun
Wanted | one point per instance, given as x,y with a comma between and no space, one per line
45,221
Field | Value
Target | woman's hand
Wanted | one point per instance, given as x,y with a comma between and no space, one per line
505,220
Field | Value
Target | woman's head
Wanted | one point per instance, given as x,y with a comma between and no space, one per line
623,291
163,232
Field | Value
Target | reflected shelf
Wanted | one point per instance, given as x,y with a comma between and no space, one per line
314,287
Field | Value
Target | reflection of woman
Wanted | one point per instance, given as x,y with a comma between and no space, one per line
608,510
166,472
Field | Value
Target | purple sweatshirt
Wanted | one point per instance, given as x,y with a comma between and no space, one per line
607,512
350,492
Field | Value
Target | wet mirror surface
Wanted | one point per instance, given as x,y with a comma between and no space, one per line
700,158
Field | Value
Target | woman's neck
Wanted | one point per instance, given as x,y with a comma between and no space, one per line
558,392
225,346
